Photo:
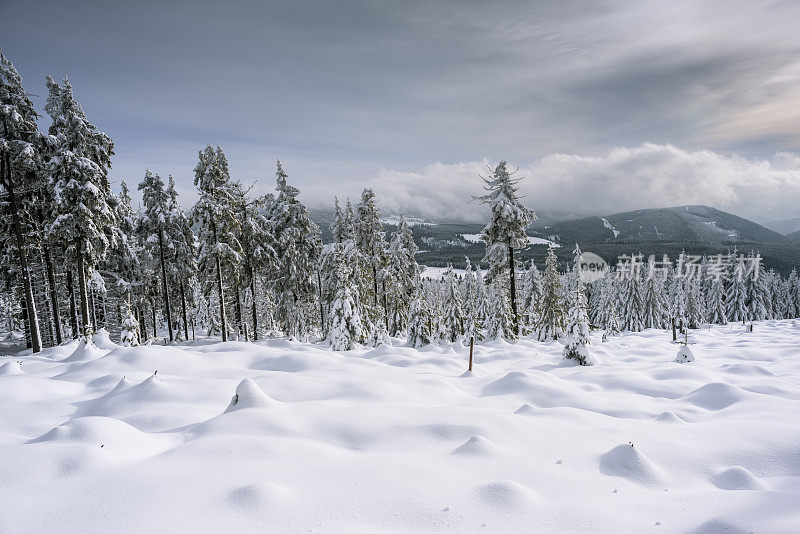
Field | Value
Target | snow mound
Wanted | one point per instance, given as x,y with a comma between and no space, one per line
249,395
11,368
627,461
525,409
684,355
259,495
669,417
506,494
477,446
85,352
102,339
513,382
112,435
715,396
737,478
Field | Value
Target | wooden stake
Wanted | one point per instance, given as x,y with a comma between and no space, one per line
471,344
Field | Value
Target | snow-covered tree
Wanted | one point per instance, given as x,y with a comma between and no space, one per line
505,230
736,299
84,218
297,248
453,314
551,319
654,305
419,327
346,328
129,337
630,299
715,303
215,216
532,296
577,331
371,242
499,321
153,222
183,265
18,158
403,274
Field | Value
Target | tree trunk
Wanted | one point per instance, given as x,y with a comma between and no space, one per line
255,310
142,322
51,280
239,320
27,289
24,307
220,291
86,324
513,279
321,314
166,288
183,308
155,322
73,310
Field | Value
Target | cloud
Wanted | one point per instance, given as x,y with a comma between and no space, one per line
623,179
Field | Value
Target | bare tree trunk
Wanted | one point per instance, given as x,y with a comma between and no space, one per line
165,285
183,308
513,278
321,314
255,310
27,289
51,280
220,291
240,328
86,323
73,309
142,322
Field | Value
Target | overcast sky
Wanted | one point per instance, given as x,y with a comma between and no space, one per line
605,107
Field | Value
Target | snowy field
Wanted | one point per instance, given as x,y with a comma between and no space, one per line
396,439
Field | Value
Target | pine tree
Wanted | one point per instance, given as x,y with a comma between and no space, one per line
214,213
129,337
183,268
371,242
403,276
505,230
83,217
715,303
654,304
419,327
18,157
695,304
757,297
499,320
736,300
551,321
792,292
257,241
297,249
453,313
577,332
532,296
153,222
346,328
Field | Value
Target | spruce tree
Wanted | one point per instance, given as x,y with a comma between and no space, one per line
371,241
346,328
551,320
215,216
153,223
505,230
577,331
654,305
83,218
183,268
715,303
403,276
453,316
419,327
18,159
297,249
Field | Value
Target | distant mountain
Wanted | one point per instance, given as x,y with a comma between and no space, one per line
695,229
689,224
785,227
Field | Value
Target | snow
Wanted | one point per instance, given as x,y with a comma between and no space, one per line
611,227
476,238
283,436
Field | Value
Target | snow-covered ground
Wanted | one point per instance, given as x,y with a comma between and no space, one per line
396,439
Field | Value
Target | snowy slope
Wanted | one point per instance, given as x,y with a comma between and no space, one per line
288,437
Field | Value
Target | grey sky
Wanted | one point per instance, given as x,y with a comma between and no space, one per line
349,94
